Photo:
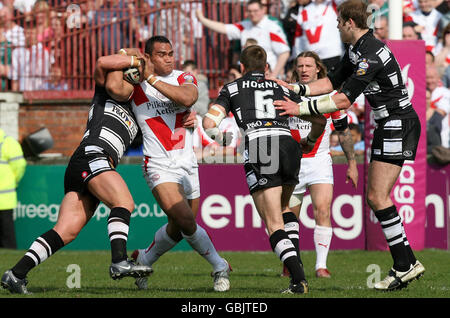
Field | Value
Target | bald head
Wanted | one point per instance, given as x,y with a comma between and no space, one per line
432,78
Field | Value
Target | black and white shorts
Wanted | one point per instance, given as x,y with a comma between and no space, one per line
396,139
86,162
271,162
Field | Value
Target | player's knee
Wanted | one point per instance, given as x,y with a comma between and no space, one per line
322,214
375,199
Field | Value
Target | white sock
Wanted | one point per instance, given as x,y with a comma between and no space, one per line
322,240
201,242
160,245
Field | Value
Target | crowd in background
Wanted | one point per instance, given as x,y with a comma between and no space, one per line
44,44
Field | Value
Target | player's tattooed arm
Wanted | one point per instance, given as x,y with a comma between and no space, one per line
346,141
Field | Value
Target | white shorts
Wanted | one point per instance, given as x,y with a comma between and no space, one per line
314,170
186,176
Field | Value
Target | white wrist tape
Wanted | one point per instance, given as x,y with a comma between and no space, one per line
322,105
301,89
216,116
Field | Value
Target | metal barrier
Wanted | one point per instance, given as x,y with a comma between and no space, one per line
54,47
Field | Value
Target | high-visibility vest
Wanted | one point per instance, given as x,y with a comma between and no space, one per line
12,169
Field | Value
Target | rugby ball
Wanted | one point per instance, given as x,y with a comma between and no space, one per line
132,75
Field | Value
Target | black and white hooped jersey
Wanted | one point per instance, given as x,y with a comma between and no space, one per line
111,125
250,99
369,67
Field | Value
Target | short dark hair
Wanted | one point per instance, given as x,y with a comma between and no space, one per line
155,39
191,63
355,10
254,1
254,58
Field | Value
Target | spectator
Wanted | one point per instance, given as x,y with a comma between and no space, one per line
55,81
5,60
317,31
409,31
268,32
440,102
434,125
24,6
12,32
357,141
290,21
142,24
446,77
41,13
30,66
429,59
201,106
113,34
444,8
234,72
381,28
428,18
334,139
12,169
442,59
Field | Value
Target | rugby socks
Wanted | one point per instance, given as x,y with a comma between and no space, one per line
42,248
391,224
201,242
411,257
118,226
292,228
322,240
162,243
286,251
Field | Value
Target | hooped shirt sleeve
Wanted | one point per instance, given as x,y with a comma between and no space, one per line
367,68
224,97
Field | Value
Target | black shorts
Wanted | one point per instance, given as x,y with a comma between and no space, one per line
86,162
396,139
271,162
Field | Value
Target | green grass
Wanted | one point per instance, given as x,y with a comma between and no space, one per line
255,275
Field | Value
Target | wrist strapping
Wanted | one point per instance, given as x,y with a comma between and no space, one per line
302,89
322,105
122,52
151,79
217,118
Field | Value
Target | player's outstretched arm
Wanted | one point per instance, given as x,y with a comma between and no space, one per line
185,95
115,62
318,123
346,141
322,105
212,120
119,89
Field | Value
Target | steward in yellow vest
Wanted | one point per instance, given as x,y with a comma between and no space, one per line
12,169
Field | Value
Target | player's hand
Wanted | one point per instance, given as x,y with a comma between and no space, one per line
306,147
149,67
288,106
280,82
352,174
190,120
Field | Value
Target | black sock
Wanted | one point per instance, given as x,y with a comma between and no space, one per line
283,247
411,256
118,225
42,248
292,228
391,224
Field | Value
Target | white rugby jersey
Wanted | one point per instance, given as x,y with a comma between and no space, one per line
160,120
317,31
268,32
301,128
430,23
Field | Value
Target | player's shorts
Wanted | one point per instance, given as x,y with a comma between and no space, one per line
187,176
314,170
86,162
271,162
396,139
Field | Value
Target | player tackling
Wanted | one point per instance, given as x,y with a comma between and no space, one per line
369,67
